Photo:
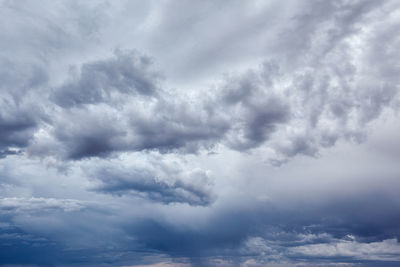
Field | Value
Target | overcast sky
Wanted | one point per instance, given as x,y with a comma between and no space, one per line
200,133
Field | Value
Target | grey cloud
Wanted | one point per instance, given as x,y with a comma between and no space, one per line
159,183
16,133
292,110
328,72
19,115
254,109
290,233
31,42
126,73
28,205
260,230
139,125
387,250
17,126
86,134
317,28
257,124
173,125
7,152
18,247
209,42
65,230
163,121
19,78
117,105
333,93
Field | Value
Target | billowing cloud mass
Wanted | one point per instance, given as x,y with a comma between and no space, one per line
211,133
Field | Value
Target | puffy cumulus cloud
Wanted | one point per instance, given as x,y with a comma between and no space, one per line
98,115
117,105
331,87
329,91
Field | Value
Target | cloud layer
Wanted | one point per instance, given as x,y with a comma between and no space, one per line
240,133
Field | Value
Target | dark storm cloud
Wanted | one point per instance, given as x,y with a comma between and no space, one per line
159,183
24,247
261,230
18,248
60,229
268,232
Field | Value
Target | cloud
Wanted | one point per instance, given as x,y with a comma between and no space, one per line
156,181
334,91
255,111
269,233
27,205
116,105
387,250
136,133
16,127
126,73
19,116
158,120
291,109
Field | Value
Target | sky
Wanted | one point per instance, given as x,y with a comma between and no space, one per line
200,133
